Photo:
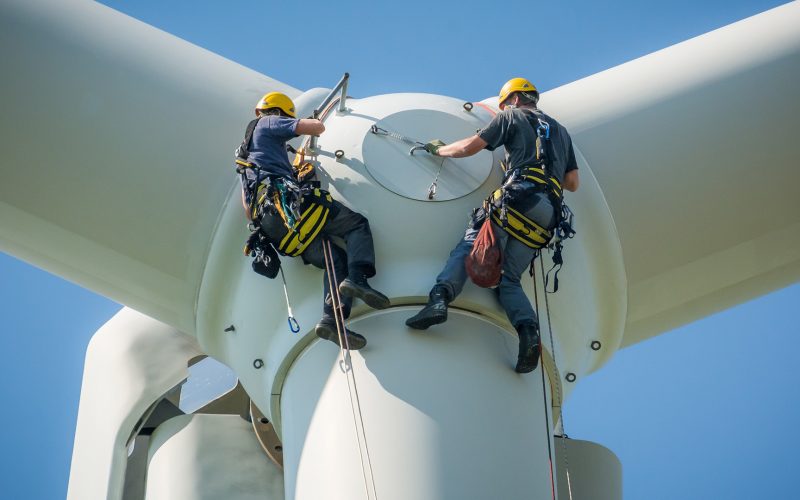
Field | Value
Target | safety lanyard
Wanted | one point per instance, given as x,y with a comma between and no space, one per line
415,146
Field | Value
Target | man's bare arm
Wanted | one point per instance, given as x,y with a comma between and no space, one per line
309,126
571,180
460,149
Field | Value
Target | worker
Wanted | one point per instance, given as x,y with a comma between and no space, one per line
271,187
527,191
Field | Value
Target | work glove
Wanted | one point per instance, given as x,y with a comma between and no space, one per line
433,146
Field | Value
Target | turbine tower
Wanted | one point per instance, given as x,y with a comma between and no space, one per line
667,234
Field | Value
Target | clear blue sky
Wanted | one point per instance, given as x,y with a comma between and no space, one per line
705,411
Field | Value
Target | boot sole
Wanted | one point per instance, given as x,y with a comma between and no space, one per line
328,332
372,298
425,323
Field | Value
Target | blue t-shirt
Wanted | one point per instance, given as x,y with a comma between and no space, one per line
268,146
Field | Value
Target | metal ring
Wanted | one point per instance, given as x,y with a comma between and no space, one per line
596,345
468,106
571,377
258,364
338,154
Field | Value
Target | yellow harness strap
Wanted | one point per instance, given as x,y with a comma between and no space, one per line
519,226
311,222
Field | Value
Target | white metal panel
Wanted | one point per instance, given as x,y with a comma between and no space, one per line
210,457
594,471
436,424
131,362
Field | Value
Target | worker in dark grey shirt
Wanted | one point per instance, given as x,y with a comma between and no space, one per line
267,161
515,128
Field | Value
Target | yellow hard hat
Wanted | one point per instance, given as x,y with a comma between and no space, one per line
276,100
515,85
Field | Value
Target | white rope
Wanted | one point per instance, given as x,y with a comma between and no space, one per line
347,364
558,383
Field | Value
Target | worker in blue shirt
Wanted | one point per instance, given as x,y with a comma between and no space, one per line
265,146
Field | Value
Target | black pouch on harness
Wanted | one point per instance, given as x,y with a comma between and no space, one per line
266,261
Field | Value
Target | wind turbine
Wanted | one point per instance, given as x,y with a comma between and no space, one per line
631,273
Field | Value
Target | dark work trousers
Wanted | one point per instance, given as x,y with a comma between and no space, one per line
516,259
359,258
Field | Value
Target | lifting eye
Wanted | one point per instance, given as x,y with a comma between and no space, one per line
468,106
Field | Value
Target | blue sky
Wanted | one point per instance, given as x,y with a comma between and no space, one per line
701,412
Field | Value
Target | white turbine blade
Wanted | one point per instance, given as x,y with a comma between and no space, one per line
696,149
116,150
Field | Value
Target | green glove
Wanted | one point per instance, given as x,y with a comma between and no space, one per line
433,146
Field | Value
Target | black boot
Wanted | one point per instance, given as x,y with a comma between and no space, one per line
358,288
529,348
434,312
326,329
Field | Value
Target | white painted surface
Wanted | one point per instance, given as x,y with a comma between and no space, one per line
594,471
437,425
412,175
210,457
131,362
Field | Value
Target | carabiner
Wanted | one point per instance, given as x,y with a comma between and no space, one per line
294,326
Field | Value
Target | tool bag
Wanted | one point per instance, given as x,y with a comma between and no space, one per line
484,263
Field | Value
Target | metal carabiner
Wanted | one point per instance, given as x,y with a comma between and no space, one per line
294,326
432,190
377,130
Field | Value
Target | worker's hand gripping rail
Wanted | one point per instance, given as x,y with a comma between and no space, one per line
341,86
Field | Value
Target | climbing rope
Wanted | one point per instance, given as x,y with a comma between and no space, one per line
347,368
544,396
557,385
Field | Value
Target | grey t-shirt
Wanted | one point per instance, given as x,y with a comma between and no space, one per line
514,129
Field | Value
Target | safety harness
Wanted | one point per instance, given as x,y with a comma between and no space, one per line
511,220
522,228
302,205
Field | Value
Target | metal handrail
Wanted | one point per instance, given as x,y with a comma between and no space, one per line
341,86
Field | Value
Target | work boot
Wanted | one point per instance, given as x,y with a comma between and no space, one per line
529,348
358,288
434,312
326,329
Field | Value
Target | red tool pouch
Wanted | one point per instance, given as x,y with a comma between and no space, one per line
485,262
